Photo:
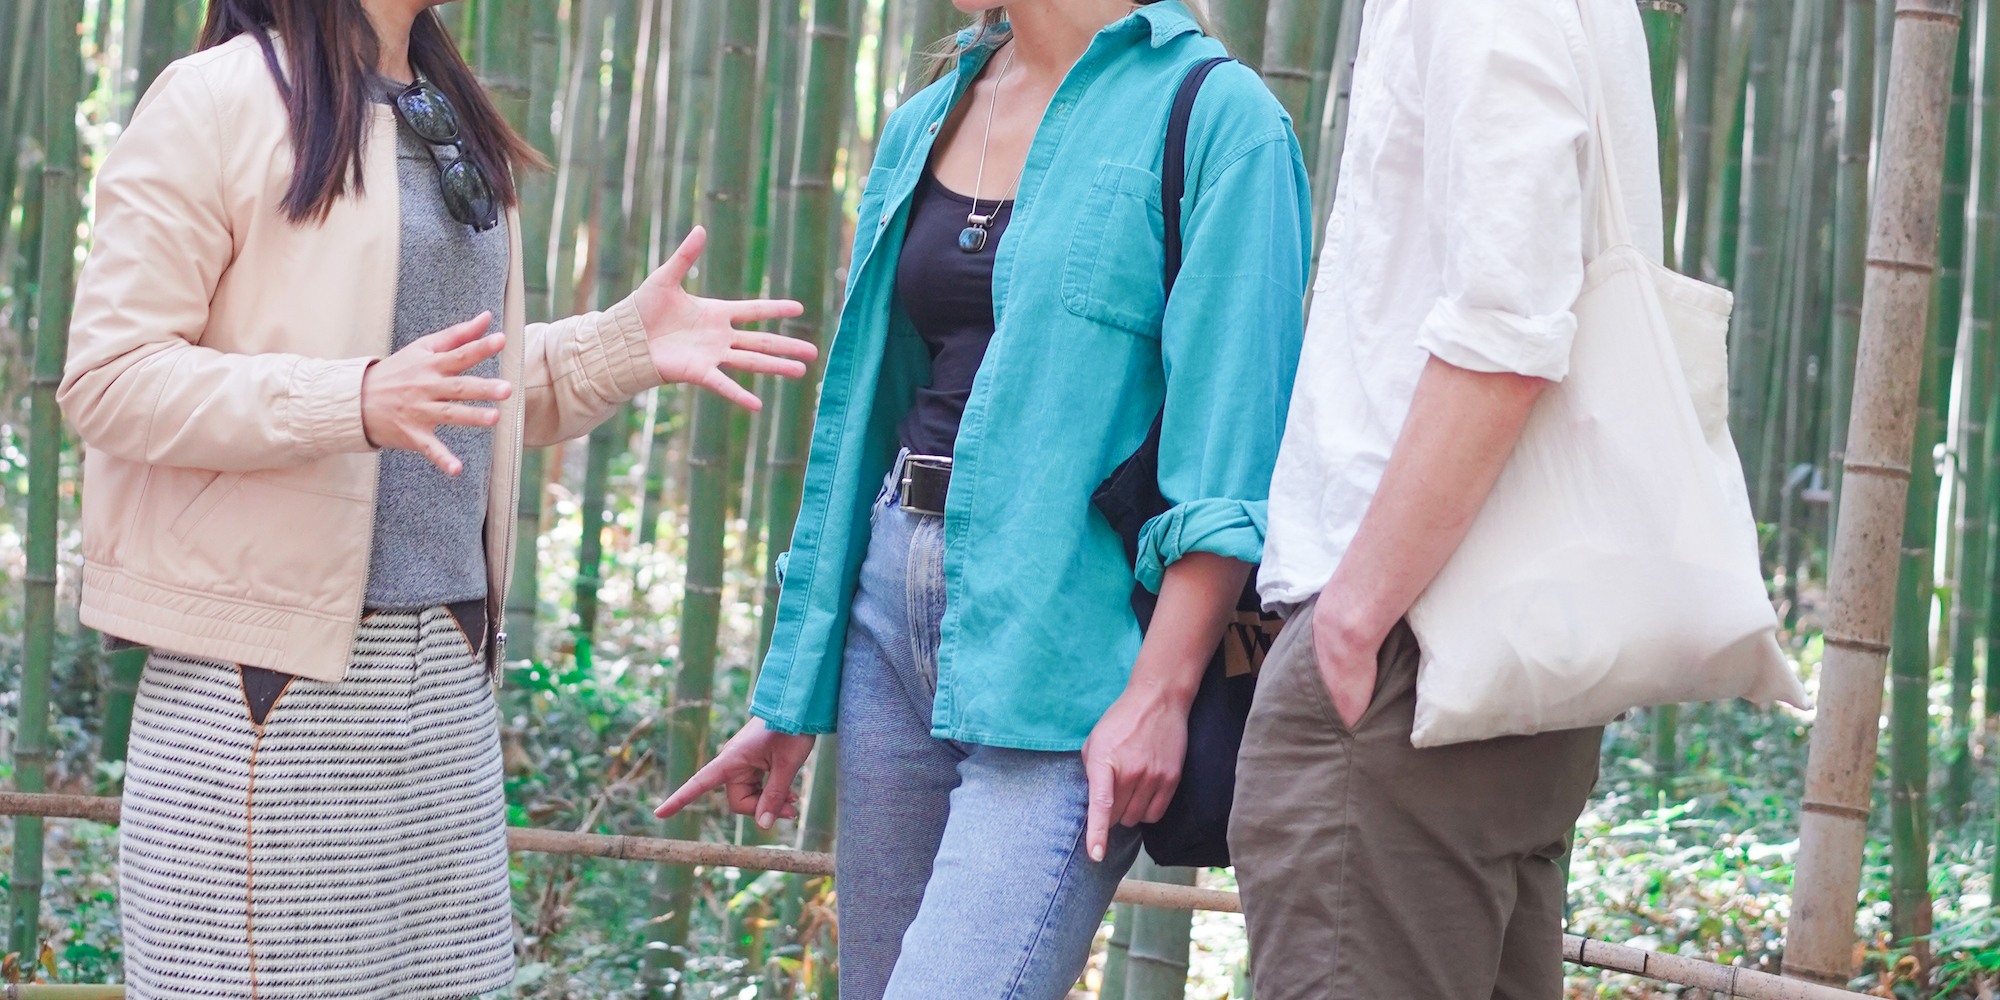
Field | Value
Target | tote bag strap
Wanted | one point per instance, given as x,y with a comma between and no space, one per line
1613,224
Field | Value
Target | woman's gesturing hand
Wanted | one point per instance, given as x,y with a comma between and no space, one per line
756,767
405,396
695,339
1133,760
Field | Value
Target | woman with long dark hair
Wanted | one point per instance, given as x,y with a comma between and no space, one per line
301,366
953,603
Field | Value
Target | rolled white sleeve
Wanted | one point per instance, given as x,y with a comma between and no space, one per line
1505,130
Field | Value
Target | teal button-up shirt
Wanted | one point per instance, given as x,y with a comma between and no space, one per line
1038,635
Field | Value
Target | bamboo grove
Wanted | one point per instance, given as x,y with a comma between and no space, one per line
756,118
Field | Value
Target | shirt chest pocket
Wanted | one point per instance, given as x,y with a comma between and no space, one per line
1112,274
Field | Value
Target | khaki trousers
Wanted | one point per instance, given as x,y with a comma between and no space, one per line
1371,869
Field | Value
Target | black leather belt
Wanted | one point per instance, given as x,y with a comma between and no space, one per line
926,483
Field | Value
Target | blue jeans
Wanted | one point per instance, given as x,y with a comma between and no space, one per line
961,868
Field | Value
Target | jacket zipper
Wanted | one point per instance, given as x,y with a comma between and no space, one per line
496,642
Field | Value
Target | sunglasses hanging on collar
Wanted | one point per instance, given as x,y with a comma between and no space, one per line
468,194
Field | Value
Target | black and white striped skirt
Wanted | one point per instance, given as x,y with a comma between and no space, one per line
352,843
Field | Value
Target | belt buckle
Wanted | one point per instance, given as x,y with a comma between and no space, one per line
929,463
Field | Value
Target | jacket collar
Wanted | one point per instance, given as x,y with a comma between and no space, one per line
1167,19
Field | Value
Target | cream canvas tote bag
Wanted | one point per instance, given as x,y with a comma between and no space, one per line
1615,565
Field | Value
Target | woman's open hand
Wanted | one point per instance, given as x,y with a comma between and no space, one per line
756,767
694,339
405,396
1133,760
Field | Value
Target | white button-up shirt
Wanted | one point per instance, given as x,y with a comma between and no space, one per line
1460,231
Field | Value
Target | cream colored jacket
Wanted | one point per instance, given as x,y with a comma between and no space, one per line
214,376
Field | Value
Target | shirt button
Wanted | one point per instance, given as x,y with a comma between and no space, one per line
933,129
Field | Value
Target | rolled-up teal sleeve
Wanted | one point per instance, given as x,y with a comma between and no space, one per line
1229,340
1233,528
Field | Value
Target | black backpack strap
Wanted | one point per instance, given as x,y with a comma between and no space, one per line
1173,186
1173,161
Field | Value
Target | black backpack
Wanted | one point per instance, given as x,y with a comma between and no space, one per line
1194,831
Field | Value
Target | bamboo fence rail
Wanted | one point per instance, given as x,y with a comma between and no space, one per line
1722,980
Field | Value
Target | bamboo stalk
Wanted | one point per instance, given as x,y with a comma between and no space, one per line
1885,41
930,25
808,271
27,237
1156,960
1706,29
613,279
1911,653
778,113
1326,179
536,215
20,114
167,33
1729,197
1241,23
1111,984
811,231
1805,318
1910,671
1902,256
1977,364
120,692
575,179
1289,69
1850,224
1662,21
816,827
1314,128
1753,347
694,84
726,176
663,170
61,206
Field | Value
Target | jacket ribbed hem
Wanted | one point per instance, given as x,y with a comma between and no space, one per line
212,627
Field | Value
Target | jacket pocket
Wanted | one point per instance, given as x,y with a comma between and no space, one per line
204,504
1113,273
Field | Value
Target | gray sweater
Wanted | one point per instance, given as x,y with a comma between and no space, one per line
428,546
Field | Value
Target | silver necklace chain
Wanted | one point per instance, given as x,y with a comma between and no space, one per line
979,183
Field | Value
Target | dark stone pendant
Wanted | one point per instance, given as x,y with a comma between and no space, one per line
972,238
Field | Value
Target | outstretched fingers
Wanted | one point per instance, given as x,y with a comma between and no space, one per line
760,310
722,385
763,364
775,344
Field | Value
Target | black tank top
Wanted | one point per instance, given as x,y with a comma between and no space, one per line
948,295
